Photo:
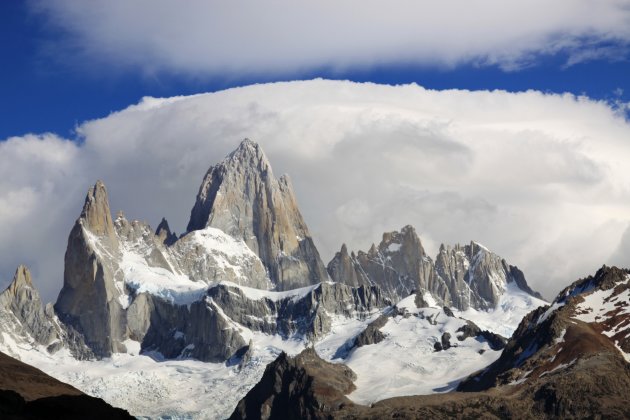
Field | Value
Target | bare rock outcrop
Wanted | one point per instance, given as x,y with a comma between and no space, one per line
300,387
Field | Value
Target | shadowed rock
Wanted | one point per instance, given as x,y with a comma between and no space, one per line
300,387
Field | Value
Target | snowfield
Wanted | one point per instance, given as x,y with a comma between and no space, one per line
149,386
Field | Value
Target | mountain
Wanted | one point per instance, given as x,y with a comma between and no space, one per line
462,277
26,324
147,318
21,308
242,197
588,319
566,360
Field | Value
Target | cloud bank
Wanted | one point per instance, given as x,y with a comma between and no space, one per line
209,38
541,179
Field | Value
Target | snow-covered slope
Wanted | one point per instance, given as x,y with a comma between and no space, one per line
182,272
148,385
407,361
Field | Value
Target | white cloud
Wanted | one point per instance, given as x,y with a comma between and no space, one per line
213,38
541,179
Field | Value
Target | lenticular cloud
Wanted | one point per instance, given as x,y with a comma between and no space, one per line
281,37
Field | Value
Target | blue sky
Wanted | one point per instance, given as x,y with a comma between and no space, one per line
48,87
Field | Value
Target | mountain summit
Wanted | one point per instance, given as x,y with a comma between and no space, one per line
243,198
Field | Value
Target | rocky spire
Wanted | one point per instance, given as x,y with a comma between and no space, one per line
164,234
96,215
89,299
242,197
21,280
342,266
21,298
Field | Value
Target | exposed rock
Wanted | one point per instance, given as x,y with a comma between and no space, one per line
246,356
210,329
21,299
398,265
97,303
461,277
476,277
372,333
242,197
307,315
446,341
198,330
448,312
556,365
90,298
495,341
164,234
301,387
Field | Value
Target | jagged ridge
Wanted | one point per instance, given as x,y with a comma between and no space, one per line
461,277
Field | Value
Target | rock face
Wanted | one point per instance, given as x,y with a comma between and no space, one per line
476,277
164,234
398,265
199,330
301,387
108,264
90,297
306,313
462,276
242,197
211,329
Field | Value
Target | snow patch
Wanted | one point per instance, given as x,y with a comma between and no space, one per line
598,304
175,288
392,248
259,294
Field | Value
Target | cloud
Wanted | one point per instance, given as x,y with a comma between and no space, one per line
541,179
210,38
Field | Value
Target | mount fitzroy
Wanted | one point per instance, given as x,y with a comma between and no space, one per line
244,286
